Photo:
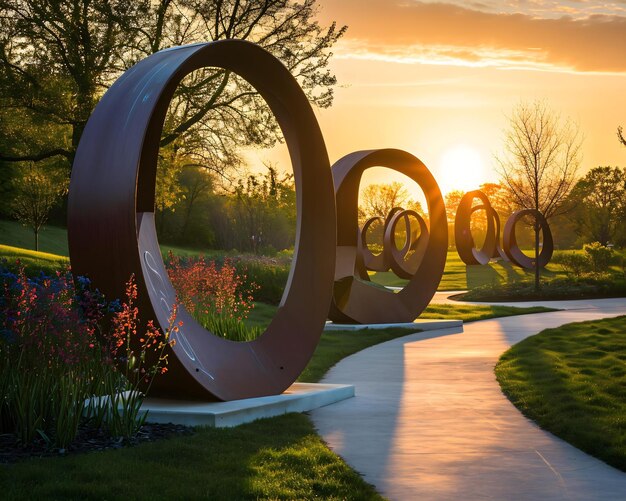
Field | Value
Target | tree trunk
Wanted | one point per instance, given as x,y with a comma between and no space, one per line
37,240
537,268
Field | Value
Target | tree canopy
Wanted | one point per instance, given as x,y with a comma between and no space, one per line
599,199
57,57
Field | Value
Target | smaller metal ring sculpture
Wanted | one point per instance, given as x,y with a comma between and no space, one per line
465,245
359,301
381,262
498,253
513,251
402,266
371,261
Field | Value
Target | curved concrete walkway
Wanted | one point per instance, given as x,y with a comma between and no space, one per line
429,420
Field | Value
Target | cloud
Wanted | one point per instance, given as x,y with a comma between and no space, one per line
444,33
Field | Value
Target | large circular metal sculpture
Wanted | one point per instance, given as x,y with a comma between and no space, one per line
359,301
513,251
464,240
112,233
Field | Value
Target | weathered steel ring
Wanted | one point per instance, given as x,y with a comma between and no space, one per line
511,248
406,268
359,301
464,240
371,261
112,233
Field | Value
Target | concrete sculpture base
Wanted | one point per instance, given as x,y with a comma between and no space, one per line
299,397
416,325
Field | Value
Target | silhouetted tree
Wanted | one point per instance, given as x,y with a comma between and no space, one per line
541,155
58,56
379,199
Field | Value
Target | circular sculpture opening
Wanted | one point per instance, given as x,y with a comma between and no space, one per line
355,298
112,233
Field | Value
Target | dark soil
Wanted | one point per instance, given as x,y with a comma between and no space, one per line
88,439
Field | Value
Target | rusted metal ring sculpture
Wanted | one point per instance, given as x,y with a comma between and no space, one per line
371,261
359,301
498,253
464,240
513,251
406,268
112,233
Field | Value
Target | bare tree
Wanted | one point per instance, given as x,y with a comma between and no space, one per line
620,135
37,190
379,199
542,153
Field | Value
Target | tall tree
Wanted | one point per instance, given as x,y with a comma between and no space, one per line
600,201
58,56
36,191
542,153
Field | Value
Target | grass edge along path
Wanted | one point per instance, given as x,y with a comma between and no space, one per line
571,380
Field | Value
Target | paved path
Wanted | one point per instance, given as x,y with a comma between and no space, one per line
429,420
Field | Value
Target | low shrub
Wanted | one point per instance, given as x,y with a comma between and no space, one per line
575,264
600,257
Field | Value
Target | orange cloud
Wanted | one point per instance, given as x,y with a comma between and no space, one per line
409,31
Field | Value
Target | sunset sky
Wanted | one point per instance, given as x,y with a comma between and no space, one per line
438,79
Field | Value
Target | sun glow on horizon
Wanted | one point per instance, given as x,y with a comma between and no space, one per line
461,167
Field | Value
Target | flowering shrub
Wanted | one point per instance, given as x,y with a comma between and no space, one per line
54,358
217,296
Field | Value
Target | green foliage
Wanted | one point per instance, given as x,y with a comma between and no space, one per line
571,380
575,264
271,278
229,327
600,256
57,56
599,205
36,190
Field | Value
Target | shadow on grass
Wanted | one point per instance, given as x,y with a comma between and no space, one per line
274,458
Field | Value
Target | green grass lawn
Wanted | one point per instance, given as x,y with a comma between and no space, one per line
52,239
572,381
34,261
457,276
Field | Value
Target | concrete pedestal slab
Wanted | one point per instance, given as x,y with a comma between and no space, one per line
299,397
417,325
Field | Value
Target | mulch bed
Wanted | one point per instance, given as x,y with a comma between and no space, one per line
88,439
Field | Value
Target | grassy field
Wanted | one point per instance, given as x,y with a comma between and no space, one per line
52,240
572,381
457,276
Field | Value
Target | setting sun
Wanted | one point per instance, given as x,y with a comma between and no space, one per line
461,168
